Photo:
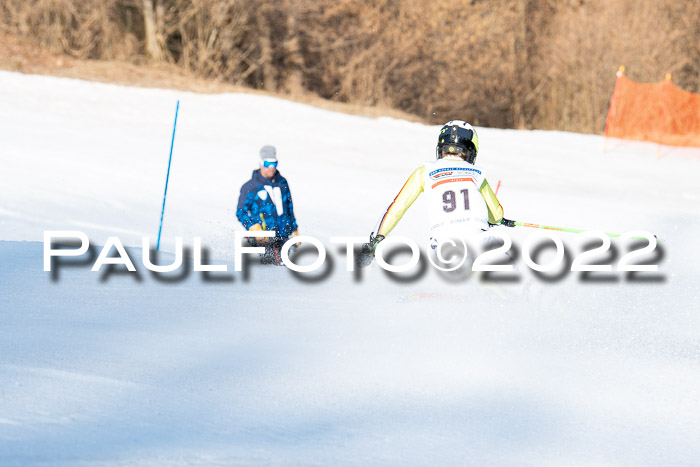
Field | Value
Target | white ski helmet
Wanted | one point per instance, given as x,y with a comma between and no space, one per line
460,138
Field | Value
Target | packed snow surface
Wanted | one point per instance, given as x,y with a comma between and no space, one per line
265,366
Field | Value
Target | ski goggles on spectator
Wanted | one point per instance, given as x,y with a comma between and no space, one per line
268,164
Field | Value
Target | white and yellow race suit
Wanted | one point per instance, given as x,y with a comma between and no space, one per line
460,201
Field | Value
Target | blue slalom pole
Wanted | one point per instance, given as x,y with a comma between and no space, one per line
167,177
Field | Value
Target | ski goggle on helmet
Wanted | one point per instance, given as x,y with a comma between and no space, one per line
268,164
459,138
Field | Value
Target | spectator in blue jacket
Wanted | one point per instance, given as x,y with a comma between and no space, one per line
265,202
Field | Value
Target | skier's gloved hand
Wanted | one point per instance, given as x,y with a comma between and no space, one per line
374,241
367,250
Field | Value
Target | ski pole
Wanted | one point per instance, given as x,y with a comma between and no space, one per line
167,177
511,223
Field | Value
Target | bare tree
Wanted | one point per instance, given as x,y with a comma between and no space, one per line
269,82
153,48
295,59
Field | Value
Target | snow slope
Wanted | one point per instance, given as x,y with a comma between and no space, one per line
265,367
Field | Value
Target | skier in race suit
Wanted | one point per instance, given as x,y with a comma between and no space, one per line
461,203
265,203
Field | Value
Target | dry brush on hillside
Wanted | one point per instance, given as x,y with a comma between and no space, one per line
546,64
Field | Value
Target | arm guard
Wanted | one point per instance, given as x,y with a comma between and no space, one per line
495,209
408,194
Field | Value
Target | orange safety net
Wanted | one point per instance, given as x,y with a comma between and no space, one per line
659,112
